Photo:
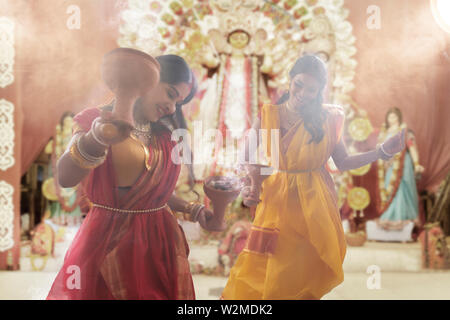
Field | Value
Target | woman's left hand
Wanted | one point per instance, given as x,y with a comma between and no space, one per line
204,216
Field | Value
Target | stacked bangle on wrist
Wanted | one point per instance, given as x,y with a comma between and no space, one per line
82,158
194,210
94,135
386,153
383,154
187,210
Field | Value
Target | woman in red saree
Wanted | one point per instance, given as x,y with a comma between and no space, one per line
130,245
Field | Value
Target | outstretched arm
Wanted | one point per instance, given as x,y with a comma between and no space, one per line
71,170
385,151
177,204
344,161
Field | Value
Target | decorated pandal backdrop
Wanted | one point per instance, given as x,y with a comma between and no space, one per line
393,54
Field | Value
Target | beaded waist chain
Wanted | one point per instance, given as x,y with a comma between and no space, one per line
128,211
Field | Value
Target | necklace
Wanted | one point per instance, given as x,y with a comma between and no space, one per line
143,130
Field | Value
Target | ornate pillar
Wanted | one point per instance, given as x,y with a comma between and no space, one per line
10,134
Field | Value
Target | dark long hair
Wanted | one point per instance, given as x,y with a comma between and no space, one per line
395,110
313,114
175,70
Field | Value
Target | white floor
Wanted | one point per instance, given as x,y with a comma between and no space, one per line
397,265
404,286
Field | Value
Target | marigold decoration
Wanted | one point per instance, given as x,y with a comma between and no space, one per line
176,8
155,6
358,198
289,4
200,35
164,32
48,189
360,129
203,10
300,12
168,18
196,41
319,10
287,30
361,170
312,2
305,23
187,3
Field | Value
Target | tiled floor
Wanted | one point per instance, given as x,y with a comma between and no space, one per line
400,275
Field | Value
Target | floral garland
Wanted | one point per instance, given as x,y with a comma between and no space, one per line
386,195
291,26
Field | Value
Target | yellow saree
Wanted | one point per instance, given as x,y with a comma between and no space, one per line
296,246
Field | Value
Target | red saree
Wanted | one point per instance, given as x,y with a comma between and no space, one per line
117,255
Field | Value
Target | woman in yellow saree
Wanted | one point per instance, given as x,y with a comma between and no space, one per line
296,246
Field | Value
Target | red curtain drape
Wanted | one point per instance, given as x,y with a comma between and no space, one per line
59,65
406,64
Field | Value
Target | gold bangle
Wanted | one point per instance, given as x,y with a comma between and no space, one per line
179,215
188,207
194,215
187,214
80,161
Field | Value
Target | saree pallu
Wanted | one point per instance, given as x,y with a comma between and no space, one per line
405,204
296,245
121,255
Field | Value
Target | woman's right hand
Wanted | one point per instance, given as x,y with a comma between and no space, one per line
246,192
205,218
249,197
